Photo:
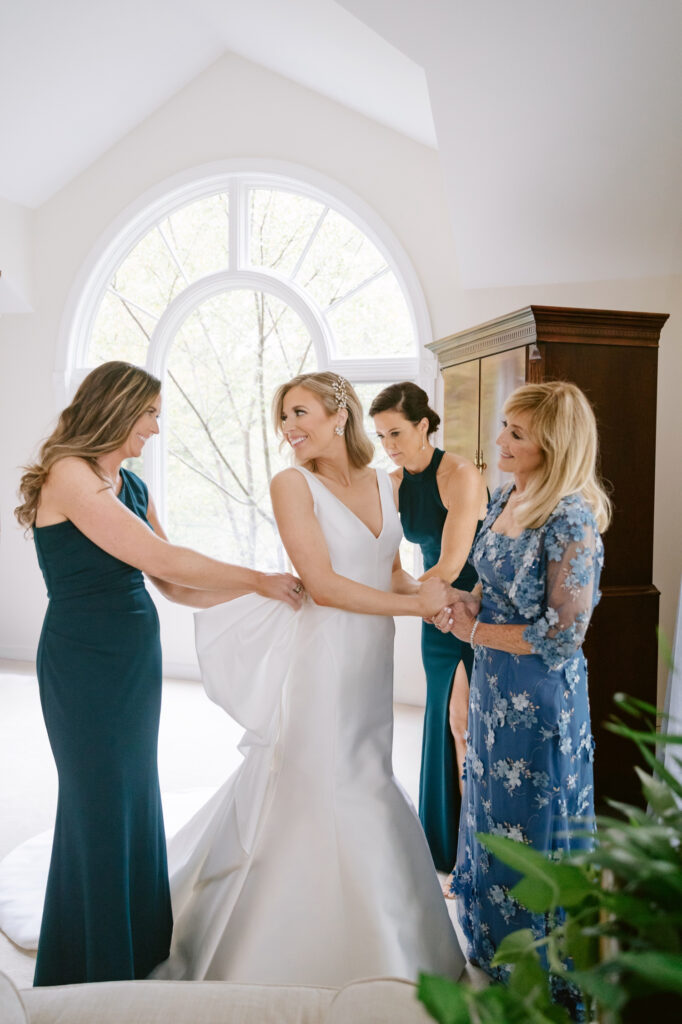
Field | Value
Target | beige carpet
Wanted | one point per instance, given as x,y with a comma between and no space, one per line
197,752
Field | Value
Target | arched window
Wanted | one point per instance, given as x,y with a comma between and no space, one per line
224,288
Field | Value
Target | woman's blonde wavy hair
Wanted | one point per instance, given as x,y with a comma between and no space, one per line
325,386
563,425
99,420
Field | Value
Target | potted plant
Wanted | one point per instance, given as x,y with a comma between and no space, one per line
621,932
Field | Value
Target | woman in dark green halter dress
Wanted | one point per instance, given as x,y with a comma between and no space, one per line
107,913
442,501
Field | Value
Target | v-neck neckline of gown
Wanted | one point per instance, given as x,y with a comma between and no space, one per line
375,536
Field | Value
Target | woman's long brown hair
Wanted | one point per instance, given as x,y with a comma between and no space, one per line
99,420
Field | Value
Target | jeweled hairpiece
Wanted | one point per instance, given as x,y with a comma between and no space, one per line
340,393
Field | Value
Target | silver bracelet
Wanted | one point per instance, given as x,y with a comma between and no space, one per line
473,634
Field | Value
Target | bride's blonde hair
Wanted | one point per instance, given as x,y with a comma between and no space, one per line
328,387
563,425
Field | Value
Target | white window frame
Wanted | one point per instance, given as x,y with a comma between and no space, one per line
236,178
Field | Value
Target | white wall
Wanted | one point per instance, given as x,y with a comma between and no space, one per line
237,109
16,278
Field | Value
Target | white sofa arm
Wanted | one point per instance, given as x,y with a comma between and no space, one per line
176,1002
370,1001
377,1001
12,1010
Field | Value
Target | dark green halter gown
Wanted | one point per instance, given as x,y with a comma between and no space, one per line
107,913
423,514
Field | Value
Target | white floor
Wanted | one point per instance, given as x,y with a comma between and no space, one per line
197,751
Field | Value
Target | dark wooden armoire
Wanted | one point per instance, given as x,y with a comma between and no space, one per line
612,356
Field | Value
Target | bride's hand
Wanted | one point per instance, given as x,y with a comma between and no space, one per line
433,595
282,586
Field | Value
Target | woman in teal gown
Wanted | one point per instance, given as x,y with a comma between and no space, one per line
107,913
442,500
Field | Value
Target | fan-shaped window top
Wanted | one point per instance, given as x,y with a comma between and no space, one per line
224,297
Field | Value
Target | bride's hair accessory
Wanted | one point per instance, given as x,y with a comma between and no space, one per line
340,394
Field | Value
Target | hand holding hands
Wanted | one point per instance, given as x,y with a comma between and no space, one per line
456,619
459,615
282,586
432,595
471,601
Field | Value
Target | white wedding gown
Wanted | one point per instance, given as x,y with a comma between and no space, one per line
309,865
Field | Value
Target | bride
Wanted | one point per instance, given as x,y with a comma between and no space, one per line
310,866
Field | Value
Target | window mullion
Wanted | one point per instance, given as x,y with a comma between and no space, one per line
358,288
306,249
239,224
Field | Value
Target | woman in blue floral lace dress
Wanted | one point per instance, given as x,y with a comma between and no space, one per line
528,768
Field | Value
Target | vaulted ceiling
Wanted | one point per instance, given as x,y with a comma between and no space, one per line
558,124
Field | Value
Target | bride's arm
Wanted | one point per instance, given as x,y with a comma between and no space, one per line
401,580
304,541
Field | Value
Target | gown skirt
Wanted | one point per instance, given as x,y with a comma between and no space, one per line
423,515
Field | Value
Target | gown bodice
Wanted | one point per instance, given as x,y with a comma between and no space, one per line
73,566
353,549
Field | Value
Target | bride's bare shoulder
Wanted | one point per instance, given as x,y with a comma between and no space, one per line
288,481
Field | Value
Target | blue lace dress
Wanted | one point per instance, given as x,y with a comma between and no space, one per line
528,769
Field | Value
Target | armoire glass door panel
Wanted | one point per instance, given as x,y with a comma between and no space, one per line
500,375
460,406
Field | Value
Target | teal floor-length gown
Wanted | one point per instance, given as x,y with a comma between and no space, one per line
423,514
107,913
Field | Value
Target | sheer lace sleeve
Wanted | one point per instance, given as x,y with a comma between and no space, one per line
574,556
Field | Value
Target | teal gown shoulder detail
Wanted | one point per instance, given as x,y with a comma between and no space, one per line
107,913
423,515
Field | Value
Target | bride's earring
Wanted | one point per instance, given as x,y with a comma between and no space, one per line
339,431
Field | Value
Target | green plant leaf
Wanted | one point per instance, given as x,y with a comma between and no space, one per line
547,883
661,770
535,895
579,944
638,912
445,1000
658,795
515,947
498,1004
602,985
635,815
662,970
571,888
633,705
529,979
651,737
